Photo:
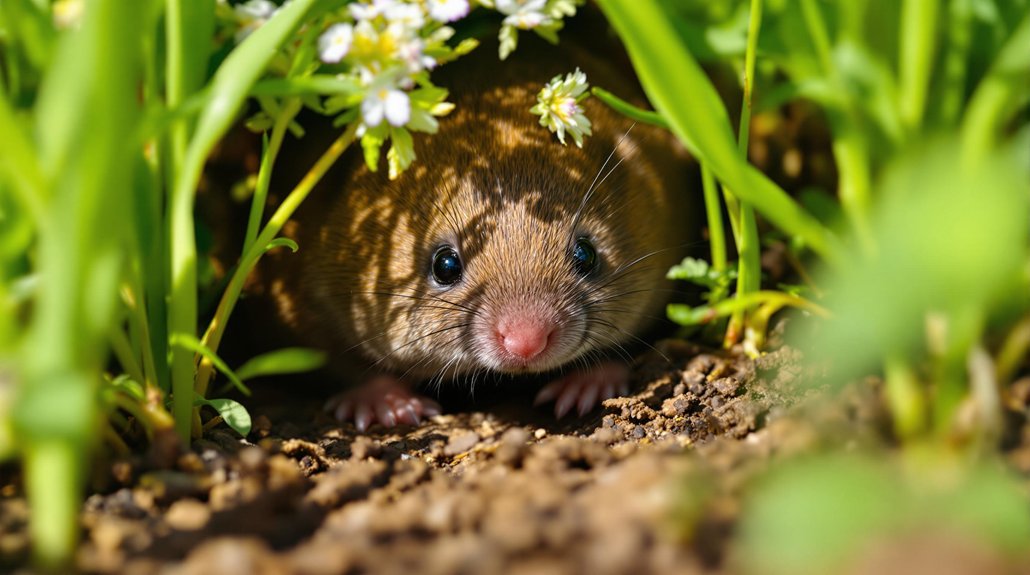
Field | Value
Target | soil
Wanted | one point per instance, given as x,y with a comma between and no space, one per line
493,486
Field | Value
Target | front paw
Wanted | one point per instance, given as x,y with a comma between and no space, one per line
586,388
383,399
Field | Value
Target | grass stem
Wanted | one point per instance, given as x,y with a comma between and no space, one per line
749,270
916,45
257,206
213,336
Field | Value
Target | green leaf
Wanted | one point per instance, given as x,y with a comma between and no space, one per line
19,163
372,143
509,38
232,412
129,386
629,110
689,269
323,84
699,272
58,407
686,315
283,242
282,361
402,151
191,343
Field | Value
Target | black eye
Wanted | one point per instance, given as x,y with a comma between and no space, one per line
446,266
584,256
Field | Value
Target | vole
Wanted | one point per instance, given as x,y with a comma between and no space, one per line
500,250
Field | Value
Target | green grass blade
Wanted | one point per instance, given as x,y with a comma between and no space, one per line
681,92
629,110
191,343
917,41
228,91
281,362
85,117
19,165
1000,94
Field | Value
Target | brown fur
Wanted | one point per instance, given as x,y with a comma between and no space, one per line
497,185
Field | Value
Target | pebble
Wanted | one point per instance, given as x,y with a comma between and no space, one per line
461,442
187,515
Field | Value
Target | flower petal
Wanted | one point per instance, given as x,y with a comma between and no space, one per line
398,108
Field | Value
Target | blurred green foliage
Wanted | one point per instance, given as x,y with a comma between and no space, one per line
822,514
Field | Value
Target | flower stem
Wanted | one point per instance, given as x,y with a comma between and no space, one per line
275,141
904,395
713,209
916,44
749,273
849,145
216,329
182,300
956,52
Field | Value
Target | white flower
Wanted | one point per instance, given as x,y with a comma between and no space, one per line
407,15
386,101
361,11
335,42
254,9
525,20
523,14
410,52
559,109
448,10
251,15
513,6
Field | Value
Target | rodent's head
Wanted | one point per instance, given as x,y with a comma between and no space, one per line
519,261
525,292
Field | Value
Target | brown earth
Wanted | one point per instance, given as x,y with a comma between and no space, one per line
650,483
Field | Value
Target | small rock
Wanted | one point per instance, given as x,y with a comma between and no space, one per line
122,471
231,555
726,385
513,446
540,433
515,436
251,458
364,447
461,442
262,426
606,435
187,515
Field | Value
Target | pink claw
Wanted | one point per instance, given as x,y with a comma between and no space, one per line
584,389
383,399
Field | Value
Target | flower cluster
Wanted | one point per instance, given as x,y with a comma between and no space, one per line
558,105
369,61
388,48
545,17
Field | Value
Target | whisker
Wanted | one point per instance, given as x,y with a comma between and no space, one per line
631,336
593,185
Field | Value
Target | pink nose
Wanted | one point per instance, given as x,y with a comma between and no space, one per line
524,337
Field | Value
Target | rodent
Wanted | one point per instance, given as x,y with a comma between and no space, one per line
499,249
